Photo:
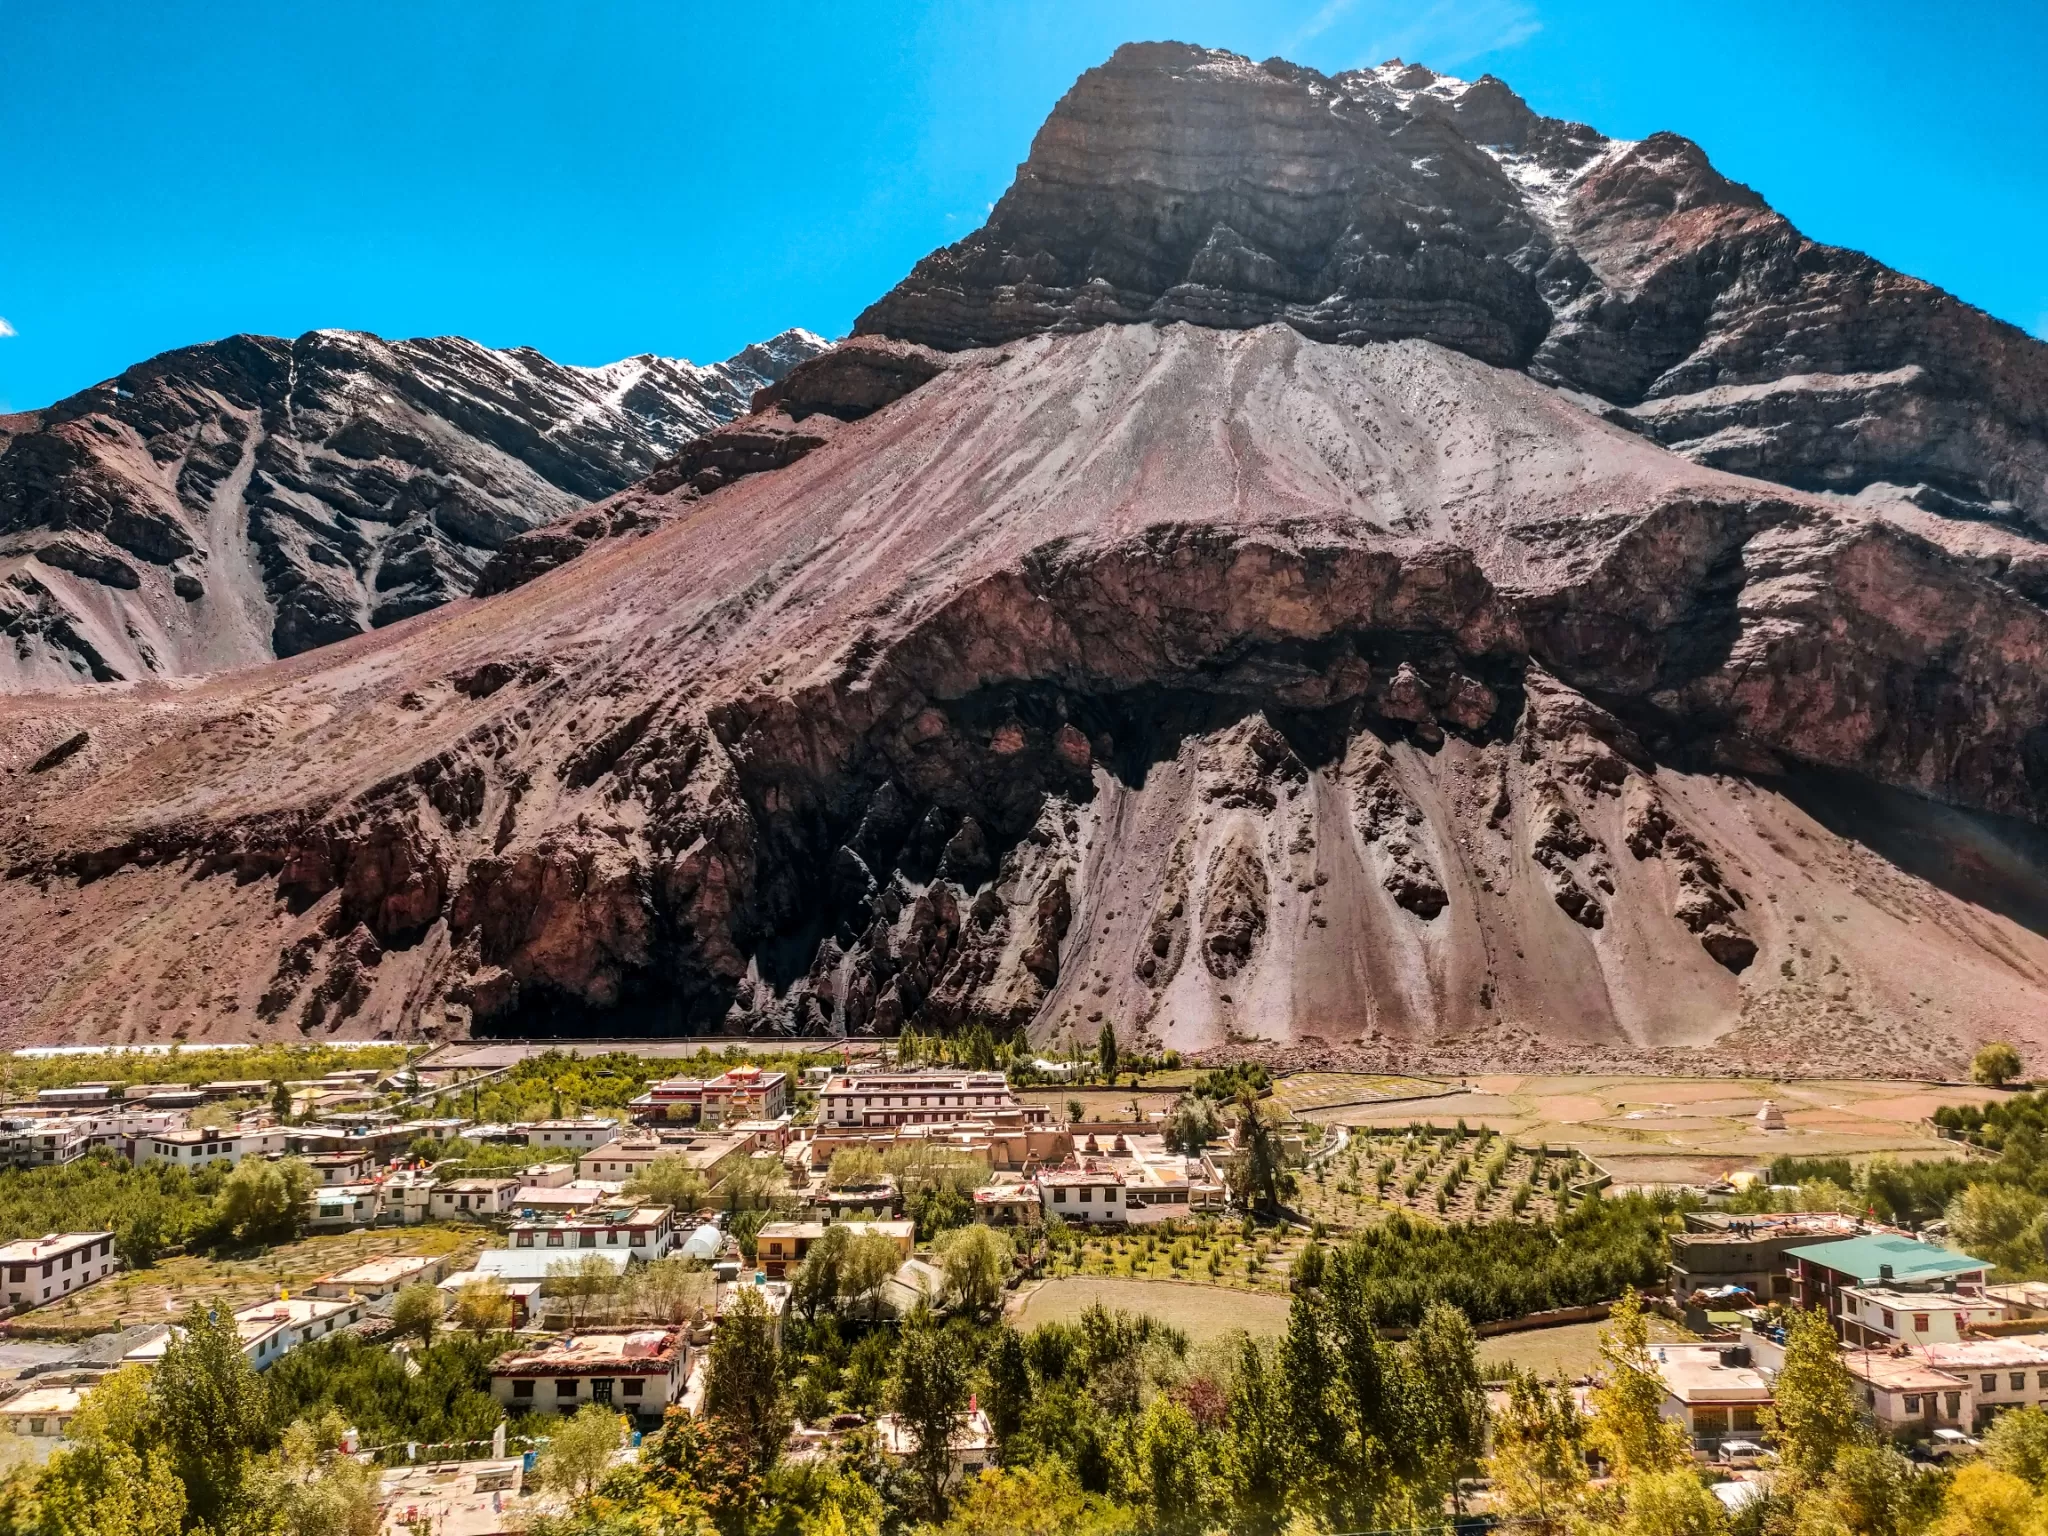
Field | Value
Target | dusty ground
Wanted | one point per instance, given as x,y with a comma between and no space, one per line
1572,1350
161,1292
1647,1129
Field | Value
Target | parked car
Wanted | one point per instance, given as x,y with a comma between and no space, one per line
1741,1453
1952,1442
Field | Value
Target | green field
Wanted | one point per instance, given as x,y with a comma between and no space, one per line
1202,1312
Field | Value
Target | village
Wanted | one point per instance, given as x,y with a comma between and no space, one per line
609,1250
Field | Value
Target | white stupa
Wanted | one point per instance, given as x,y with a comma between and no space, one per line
1770,1117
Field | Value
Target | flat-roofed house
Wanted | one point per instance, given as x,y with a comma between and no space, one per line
930,1096
381,1277
2002,1373
1905,1396
1880,1316
640,1232
640,1373
42,1415
1086,1190
569,1135
34,1270
344,1206
473,1198
269,1330
782,1245
1712,1391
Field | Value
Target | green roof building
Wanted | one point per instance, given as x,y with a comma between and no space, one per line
1821,1270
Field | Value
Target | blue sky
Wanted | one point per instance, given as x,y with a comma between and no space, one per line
598,179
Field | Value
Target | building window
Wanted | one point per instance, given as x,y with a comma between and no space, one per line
1955,1405
1919,1322
2019,1381
1889,1320
565,1389
634,1387
1912,1403
1990,1384
522,1389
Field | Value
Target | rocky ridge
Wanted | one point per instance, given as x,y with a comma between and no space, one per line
1228,685
251,497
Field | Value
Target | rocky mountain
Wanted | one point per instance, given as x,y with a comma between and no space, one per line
253,497
1175,183
1385,699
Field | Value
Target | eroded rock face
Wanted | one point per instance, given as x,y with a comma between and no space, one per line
1222,685
1178,183
253,497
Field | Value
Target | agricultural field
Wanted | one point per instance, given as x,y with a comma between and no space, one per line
1202,1312
1441,1175
1301,1092
1099,1103
162,1291
1206,1254
1666,1130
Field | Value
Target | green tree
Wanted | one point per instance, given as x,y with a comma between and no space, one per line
975,1261
1259,1150
1872,1491
264,1202
1629,1429
815,1285
582,1282
1172,1467
1306,1273
1009,1389
1668,1503
210,1410
743,1380
1445,1400
1258,1449
1984,1501
580,1451
110,1478
2017,1442
869,1262
483,1308
280,1100
1995,1065
852,1166
670,1181
2003,1224
929,1392
1105,1052
1193,1124
304,1489
1814,1415
416,1310
1538,1466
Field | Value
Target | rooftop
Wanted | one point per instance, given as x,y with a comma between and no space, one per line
1696,1375
25,1248
1986,1354
1868,1257
647,1349
381,1271
1897,1373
